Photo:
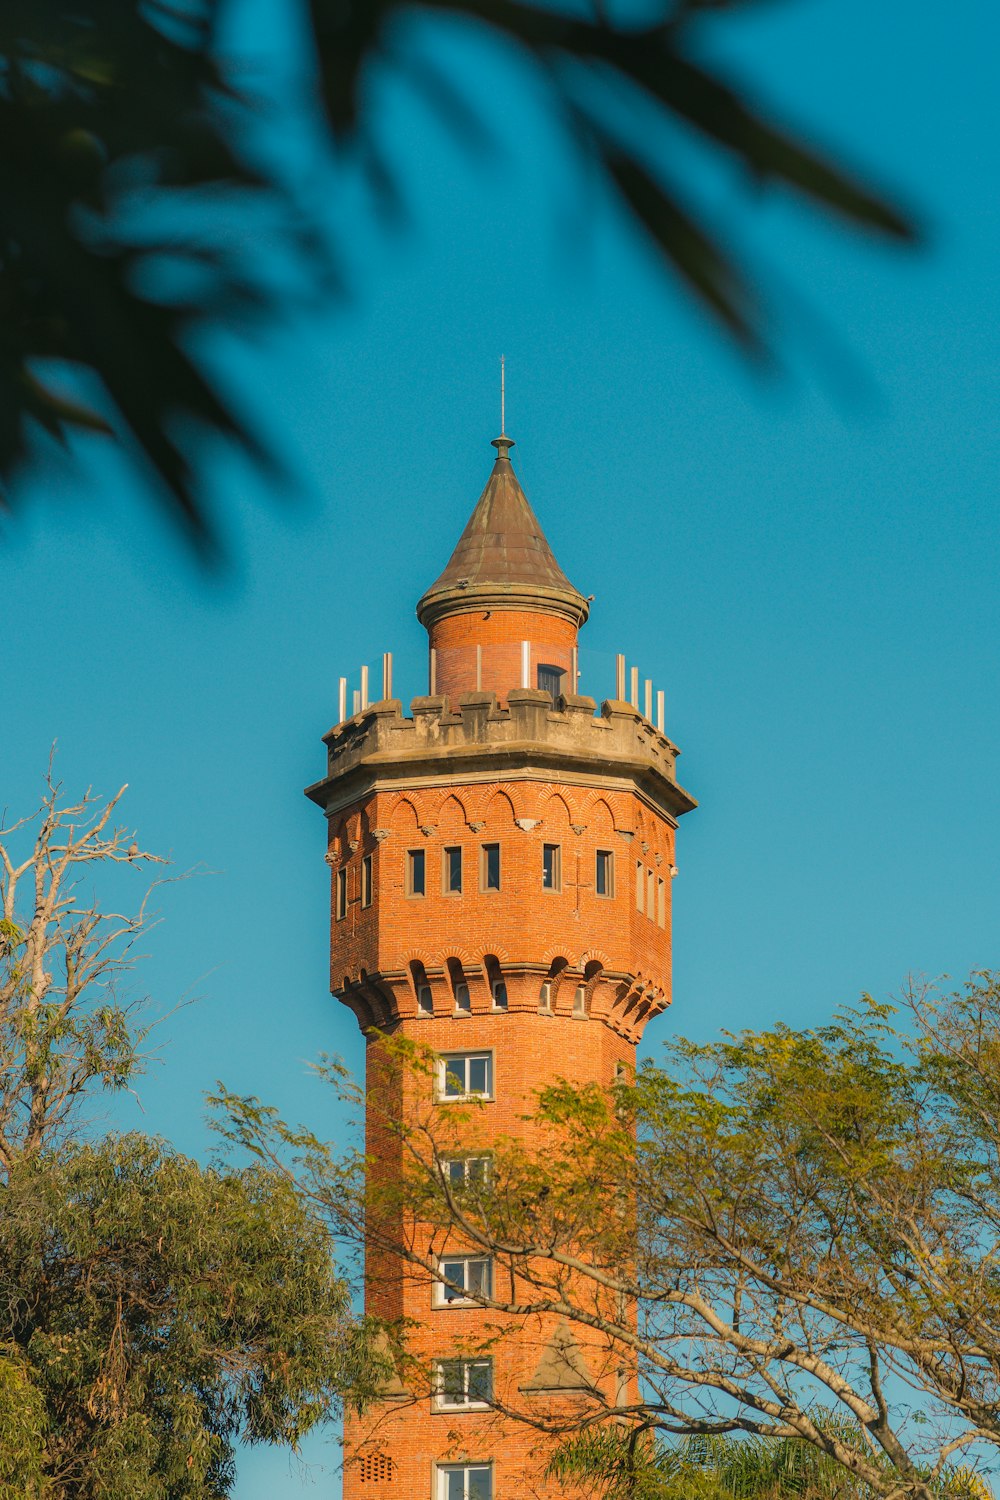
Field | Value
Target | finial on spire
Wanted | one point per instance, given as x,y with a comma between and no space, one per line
503,443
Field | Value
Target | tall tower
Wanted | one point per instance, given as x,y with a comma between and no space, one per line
501,872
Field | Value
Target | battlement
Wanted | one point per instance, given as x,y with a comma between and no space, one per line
380,744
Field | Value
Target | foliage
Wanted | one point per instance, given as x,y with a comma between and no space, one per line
133,207
789,1236
153,1310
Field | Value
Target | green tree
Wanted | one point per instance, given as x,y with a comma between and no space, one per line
792,1236
133,204
152,1310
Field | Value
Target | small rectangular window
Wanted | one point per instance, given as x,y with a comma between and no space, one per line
425,1000
463,1384
341,898
451,871
462,1001
466,1075
466,1171
489,867
604,881
551,867
464,1482
416,870
499,995
366,880
471,1276
661,903
640,884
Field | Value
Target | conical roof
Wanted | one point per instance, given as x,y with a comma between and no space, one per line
502,559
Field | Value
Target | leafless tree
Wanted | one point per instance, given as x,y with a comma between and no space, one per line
63,1024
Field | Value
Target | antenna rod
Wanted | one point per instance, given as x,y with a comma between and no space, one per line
502,395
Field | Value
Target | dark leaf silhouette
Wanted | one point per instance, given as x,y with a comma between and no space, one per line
123,129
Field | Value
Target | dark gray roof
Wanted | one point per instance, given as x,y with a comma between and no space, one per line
502,556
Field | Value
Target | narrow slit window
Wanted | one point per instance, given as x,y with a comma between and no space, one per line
366,880
580,1001
551,867
604,875
545,997
489,867
661,902
451,870
341,896
499,995
425,1000
640,884
651,895
462,1000
416,872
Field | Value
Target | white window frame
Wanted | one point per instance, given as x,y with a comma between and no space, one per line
441,1487
498,987
447,1162
442,1402
445,1058
441,1297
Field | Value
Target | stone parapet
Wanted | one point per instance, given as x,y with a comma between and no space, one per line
381,746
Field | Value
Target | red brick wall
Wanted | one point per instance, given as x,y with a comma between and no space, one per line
499,633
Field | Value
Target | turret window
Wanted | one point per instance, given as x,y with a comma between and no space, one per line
604,875
366,880
451,871
640,885
462,1000
489,867
661,903
550,680
499,995
416,872
425,1000
340,898
551,867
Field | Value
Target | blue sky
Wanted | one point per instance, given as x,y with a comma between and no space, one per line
806,565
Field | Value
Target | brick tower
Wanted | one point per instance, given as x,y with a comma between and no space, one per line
501,873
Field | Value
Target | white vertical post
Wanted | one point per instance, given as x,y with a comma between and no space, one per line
432,683
575,672
525,664
386,674
659,711
479,669
341,699
364,687
620,678
633,696
648,695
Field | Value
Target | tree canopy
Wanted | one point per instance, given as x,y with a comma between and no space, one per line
153,1311
792,1235
133,197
